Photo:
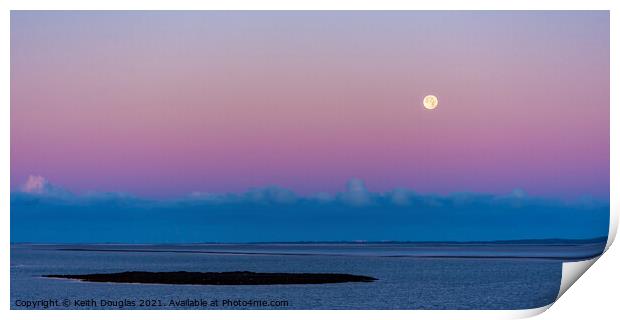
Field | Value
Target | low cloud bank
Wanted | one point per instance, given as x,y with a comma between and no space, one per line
43,212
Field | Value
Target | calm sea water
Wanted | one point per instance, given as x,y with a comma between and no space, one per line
410,276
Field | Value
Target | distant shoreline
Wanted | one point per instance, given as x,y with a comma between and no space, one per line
542,241
549,249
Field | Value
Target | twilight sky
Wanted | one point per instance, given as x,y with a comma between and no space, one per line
163,104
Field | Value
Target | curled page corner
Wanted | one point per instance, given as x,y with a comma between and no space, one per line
571,271
528,313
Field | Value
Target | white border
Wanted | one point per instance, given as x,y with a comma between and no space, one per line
7,5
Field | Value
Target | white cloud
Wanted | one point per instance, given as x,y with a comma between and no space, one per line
36,185
518,193
401,197
211,197
39,186
271,194
323,197
356,194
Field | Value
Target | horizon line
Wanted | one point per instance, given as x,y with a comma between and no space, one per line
506,241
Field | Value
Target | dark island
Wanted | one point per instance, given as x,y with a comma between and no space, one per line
216,278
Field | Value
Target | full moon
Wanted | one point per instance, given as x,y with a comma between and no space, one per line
430,102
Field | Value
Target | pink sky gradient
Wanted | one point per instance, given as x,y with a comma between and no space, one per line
166,103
